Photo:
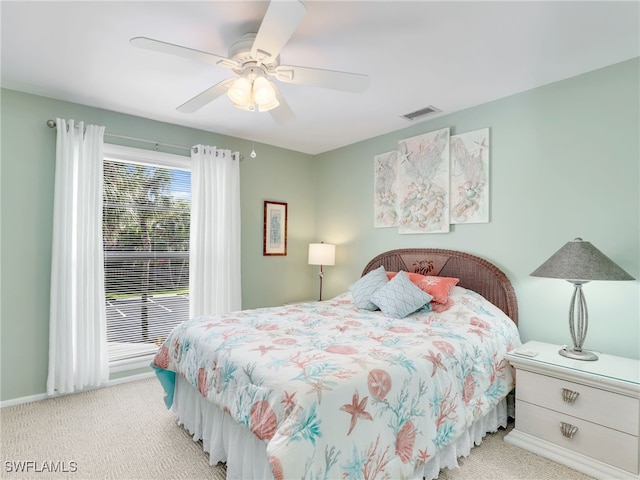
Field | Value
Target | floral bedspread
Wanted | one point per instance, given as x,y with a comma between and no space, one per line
340,393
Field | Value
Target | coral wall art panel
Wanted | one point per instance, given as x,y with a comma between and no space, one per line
470,177
385,209
423,183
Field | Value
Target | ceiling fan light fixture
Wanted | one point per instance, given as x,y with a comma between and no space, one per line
263,91
240,92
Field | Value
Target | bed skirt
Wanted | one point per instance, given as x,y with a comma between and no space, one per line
246,456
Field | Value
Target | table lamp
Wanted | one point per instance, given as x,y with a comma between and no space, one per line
322,254
579,262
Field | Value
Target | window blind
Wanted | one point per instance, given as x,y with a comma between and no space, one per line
145,223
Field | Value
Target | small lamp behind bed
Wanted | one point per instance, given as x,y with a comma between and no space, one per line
578,262
322,254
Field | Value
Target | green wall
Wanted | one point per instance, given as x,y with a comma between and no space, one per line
564,163
27,169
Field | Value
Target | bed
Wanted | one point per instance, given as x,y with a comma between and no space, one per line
335,389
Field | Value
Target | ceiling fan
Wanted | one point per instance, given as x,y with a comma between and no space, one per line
254,58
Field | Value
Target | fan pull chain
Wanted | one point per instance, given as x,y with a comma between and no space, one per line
253,140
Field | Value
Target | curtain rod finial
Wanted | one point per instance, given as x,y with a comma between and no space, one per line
51,123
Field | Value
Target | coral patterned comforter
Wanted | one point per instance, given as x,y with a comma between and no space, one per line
337,392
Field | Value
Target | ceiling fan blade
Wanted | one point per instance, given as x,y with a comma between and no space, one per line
208,96
279,23
184,52
317,77
282,113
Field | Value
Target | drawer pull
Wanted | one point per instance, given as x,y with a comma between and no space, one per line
568,430
569,396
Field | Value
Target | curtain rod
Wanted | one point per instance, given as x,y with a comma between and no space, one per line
52,124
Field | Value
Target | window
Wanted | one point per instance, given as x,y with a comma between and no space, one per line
147,203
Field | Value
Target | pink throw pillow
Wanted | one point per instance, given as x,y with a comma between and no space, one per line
437,287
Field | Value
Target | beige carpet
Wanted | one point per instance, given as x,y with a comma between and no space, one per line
125,432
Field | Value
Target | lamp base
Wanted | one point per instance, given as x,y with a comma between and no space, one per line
578,354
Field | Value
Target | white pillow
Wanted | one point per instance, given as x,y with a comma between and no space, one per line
400,297
366,286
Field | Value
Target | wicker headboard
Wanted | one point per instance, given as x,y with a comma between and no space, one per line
475,273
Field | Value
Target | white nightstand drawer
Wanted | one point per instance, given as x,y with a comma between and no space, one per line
595,441
608,409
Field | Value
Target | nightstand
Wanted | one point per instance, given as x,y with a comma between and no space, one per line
583,414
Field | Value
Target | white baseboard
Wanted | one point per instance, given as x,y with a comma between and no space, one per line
43,396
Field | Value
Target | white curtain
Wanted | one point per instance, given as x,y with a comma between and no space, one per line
77,323
214,259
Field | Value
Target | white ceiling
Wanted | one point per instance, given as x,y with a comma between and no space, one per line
452,55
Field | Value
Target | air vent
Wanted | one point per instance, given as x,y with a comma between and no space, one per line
421,113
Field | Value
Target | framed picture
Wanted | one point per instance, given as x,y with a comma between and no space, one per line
275,228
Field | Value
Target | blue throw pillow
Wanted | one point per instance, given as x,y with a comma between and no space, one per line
400,297
366,286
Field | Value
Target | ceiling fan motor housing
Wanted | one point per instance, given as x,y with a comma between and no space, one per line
240,52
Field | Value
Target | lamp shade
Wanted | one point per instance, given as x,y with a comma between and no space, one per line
240,92
322,254
263,91
579,261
